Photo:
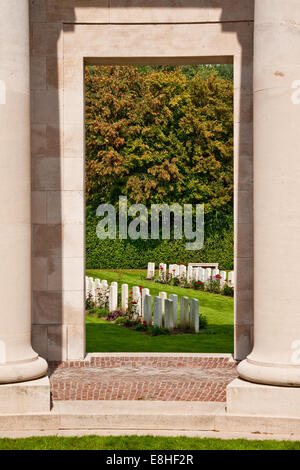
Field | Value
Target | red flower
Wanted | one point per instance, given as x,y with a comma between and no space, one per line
134,302
218,276
144,323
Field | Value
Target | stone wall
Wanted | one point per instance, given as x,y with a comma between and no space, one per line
64,35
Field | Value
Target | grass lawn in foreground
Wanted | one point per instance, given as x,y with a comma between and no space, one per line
102,336
141,443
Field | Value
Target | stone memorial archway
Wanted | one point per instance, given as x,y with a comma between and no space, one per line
63,36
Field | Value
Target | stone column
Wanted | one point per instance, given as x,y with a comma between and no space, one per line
18,361
275,356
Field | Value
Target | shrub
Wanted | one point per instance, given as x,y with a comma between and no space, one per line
100,312
156,331
141,327
89,302
228,291
202,321
174,282
198,285
213,286
135,254
121,321
112,316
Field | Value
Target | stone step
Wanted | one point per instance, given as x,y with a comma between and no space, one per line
147,416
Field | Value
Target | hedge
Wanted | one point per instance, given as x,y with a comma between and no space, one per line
130,254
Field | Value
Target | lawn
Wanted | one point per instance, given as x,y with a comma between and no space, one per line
141,443
102,336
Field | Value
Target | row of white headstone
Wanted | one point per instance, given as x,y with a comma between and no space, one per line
190,273
160,311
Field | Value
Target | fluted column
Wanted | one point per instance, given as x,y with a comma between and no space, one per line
18,361
276,353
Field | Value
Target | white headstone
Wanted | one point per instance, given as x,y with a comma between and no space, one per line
177,271
169,316
137,299
182,271
184,312
163,296
162,272
174,299
202,275
145,292
148,309
113,296
223,280
124,301
231,278
92,290
189,274
207,274
157,311
215,272
194,315
151,271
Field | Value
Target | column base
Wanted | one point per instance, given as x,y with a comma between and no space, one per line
269,374
22,371
246,398
25,397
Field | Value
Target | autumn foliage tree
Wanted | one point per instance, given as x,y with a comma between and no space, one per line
159,137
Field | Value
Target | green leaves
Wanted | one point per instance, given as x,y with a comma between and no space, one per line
160,134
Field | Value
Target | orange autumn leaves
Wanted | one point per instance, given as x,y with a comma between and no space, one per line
159,137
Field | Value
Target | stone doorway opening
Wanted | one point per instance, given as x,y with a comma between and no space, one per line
58,328
125,107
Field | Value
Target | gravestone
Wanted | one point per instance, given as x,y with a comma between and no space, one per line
157,311
184,313
151,271
182,271
162,272
174,298
148,309
231,278
113,296
163,296
124,300
169,315
189,274
194,315
145,292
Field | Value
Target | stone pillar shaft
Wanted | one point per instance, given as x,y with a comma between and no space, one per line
276,196
18,361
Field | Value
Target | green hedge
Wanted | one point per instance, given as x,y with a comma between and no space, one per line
130,254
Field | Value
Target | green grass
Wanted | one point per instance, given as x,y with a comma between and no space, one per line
141,443
102,336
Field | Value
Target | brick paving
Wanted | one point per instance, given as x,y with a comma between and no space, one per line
143,378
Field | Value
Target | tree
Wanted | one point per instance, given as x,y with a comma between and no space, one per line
159,135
